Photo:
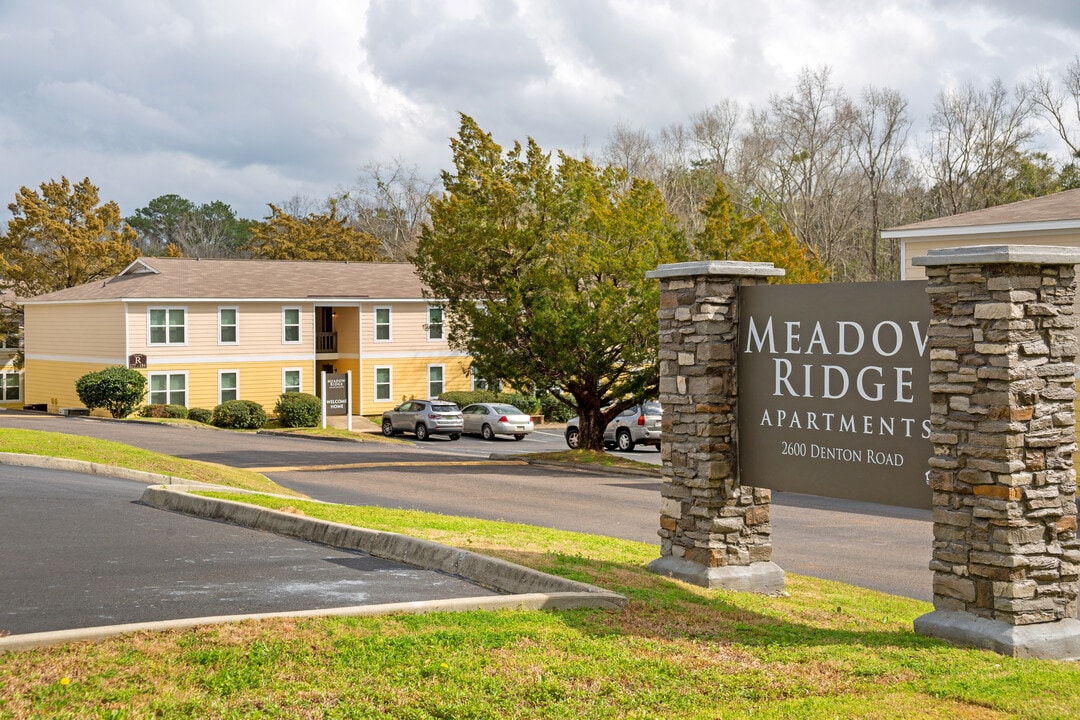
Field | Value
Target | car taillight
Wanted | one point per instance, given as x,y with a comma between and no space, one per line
640,419
502,419
432,416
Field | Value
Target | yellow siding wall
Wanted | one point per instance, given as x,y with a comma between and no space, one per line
409,379
75,332
64,342
258,381
259,331
67,341
52,383
408,328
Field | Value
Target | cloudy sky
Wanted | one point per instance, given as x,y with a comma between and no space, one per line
252,102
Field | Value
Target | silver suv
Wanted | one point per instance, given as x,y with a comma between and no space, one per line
423,418
636,425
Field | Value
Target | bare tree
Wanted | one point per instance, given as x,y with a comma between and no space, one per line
878,135
977,140
1060,106
634,151
390,202
804,164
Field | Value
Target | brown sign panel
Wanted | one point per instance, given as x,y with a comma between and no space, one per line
336,396
833,385
137,361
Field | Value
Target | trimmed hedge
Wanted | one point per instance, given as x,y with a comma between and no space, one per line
461,398
298,410
200,415
176,412
239,414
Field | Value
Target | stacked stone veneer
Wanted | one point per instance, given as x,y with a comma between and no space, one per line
708,521
1002,351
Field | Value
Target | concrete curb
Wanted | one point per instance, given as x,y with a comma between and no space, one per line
579,467
89,468
531,601
490,572
529,589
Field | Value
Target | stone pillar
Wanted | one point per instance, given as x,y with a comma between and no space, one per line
1002,350
714,532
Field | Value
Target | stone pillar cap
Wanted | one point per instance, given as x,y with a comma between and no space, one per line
728,268
1000,254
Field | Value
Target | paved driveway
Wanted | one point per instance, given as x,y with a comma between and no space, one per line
863,544
79,551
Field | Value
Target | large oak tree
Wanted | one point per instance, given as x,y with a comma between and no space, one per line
59,238
543,267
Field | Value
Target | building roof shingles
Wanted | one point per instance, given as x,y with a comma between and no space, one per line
199,279
1059,207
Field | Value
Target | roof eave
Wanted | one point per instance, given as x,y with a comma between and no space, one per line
966,230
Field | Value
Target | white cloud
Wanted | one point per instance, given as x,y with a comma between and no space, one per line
252,102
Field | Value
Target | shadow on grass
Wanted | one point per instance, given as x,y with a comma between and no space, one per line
662,608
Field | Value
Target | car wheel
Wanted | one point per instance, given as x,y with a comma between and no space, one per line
455,436
387,428
623,441
573,438
519,436
486,432
421,431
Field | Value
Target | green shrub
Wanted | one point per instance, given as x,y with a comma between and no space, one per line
177,412
200,414
239,414
526,403
298,410
461,398
117,389
554,410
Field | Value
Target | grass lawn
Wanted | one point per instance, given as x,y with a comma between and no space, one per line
824,650
104,452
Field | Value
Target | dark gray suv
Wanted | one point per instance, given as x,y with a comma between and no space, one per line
423,418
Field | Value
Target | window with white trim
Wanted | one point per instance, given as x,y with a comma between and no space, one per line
479,383
10,383
382,324
166,326
382,384
228,325
435,322
168,388
436,386
291,380
290,324
228,385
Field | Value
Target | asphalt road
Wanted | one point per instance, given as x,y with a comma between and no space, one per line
79,551
863,544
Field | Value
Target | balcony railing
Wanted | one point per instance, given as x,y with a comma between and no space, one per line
326,342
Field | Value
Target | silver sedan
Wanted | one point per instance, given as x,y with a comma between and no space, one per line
490,419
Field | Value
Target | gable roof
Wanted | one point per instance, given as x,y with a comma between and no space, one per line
1060,211
160,278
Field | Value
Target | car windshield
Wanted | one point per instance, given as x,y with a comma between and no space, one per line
506,410
444,408
653,408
